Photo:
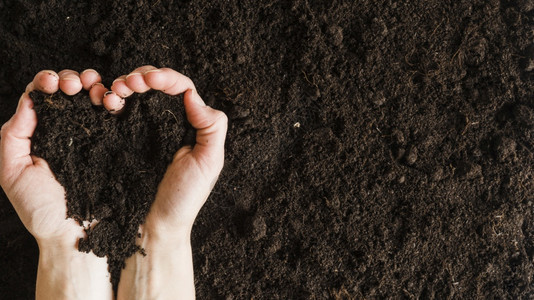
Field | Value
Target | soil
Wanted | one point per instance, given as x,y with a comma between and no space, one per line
110,166
375,149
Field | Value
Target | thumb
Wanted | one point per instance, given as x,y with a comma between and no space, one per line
211,126
15,143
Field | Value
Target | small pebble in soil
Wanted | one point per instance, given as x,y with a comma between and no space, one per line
398,137
259,228
411,155
336,35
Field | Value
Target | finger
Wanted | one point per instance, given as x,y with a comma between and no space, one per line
30,87
96,93
120,87
211,126
136,81
69,82
15,144
89,77
45,81
113,103
168,81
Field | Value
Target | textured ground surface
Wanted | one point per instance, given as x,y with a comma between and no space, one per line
375,148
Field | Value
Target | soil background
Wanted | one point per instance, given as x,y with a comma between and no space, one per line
376,149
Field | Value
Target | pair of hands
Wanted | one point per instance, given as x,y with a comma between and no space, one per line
40,202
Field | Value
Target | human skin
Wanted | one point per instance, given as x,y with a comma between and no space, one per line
39,200
166,272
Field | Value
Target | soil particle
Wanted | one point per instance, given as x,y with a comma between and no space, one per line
438,174
336,35
504,148
411,155
524,116
469,170
259,228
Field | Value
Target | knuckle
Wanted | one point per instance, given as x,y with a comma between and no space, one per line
221,117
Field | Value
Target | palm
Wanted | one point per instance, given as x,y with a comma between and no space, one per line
40,202
182,192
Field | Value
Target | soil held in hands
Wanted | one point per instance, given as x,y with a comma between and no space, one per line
110,166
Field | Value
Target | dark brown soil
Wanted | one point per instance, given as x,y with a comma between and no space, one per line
376,148
110,166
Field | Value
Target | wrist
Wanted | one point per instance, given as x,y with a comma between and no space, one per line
160,232
154,238
66,273
163,270
65,241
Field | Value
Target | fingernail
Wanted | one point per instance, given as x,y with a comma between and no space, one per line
118,79
152,71
66,72
87,70
53,74
71,79
97,83
132,74
108,93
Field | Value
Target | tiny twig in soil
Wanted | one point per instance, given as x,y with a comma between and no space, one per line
308,80
53,104
83,127
173,115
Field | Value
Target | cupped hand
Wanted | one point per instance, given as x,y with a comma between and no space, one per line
165,270
194,170
39,199
28,182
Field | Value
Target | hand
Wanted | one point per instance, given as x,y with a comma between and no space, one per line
191,176
167,271
39,199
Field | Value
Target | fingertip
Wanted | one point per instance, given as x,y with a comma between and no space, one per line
25,118
70,84
23,102
46,81
96,93
113,103
120,87
89,77
136,82
30,87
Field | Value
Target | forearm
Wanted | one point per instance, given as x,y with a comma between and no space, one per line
66,273
164,272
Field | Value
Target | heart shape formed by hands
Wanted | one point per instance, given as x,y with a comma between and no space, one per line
110,166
